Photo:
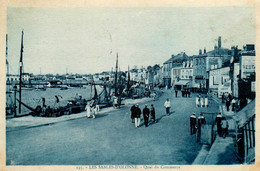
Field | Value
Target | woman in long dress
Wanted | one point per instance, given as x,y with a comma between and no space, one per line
197,101
206,101
201,102
88,110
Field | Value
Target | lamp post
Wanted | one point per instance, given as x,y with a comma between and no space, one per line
15,89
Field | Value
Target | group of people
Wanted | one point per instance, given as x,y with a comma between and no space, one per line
185,92
229,100
136,114
222,125
196,125
202,101
92,108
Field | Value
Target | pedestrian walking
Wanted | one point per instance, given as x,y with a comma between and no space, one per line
224,126
227,103
198,101
167,106
119,102
201,121
88,110
229,96
146,113
233,102
137,116
133,108
218,122
182,93
206,101
176,93
193,123
188,91
201,101
94,111
152,111
223,98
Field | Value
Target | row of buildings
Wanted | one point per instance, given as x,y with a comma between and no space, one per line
220,70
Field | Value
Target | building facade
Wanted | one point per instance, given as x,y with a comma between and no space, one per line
173,62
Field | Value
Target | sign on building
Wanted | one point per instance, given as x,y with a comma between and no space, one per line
247,66
253,86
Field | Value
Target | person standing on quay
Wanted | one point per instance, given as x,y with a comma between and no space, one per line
218,121
152,113
206,101
193,123
133,108
137,116
146,113
176,92
198,101
228,103
201,121
233,102
201,101
224,126
188,91
167,106
88,110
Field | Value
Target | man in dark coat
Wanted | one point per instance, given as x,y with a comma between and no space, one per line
218,122
188,91
146,113
176,91
193,123
152,113
201,121
133,108
228,100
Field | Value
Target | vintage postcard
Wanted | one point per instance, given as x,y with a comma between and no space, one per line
141,85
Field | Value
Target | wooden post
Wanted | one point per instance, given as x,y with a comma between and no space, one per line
21,70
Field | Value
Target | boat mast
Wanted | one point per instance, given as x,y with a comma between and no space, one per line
128,81
116,74
7,64
21,70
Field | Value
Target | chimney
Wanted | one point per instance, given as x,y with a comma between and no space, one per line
219,42
200,52
205,50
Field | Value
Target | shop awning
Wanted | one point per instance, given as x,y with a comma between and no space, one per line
182,82
247,112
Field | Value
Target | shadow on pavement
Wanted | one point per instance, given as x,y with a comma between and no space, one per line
172,112
100,115
228,157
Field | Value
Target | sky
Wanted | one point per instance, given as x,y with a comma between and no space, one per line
86,40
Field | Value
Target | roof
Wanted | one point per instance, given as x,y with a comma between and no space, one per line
219,51
180,56
177,66
221,68
247,53
182,82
